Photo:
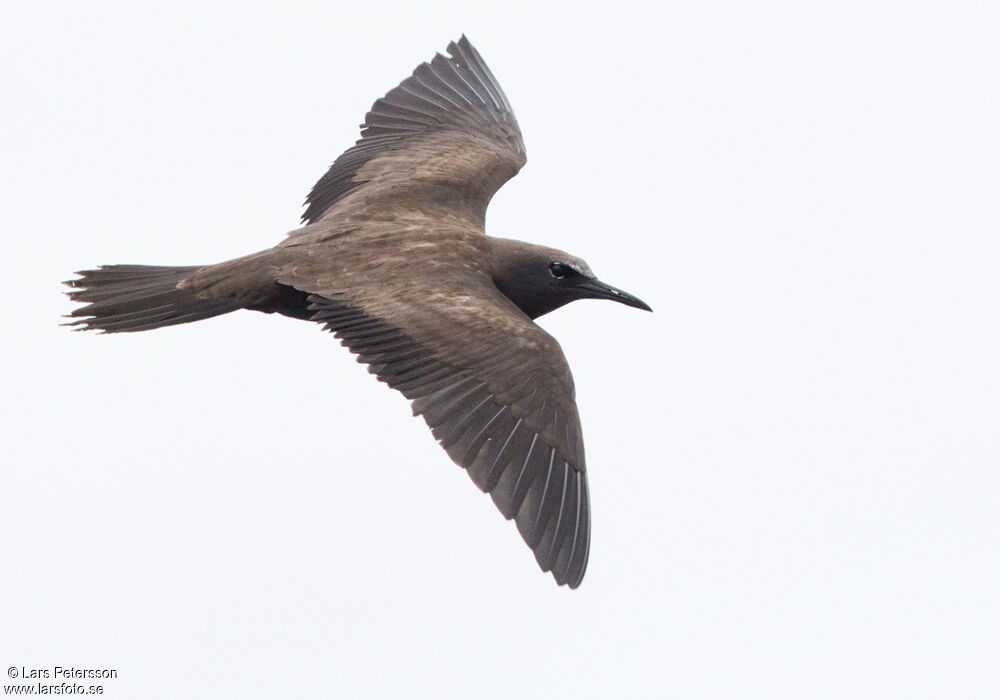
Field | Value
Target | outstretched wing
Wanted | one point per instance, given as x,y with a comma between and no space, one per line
495,390
446,135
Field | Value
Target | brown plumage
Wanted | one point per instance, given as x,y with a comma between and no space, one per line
394,260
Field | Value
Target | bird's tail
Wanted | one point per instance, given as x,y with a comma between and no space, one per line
126,298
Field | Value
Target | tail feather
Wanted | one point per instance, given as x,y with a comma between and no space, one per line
127,298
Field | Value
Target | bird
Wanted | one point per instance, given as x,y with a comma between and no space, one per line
392,257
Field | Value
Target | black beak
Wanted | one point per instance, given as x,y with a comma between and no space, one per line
595,289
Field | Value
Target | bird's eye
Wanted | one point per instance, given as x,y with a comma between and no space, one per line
561,271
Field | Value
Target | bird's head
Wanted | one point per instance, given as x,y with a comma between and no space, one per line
539,279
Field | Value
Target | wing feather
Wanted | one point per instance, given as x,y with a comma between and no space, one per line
502,408
448,124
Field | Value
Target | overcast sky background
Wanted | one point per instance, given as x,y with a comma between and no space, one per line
793,461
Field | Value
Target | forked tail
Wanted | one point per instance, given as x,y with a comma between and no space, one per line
126,298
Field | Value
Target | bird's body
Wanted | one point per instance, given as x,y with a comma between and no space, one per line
394,259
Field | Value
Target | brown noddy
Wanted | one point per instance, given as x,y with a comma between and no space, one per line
394,260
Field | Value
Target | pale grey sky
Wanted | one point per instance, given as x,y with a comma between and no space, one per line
793,461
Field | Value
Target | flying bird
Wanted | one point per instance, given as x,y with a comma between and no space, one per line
394,260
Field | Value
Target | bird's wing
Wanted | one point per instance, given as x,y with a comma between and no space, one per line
495,390
446,136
